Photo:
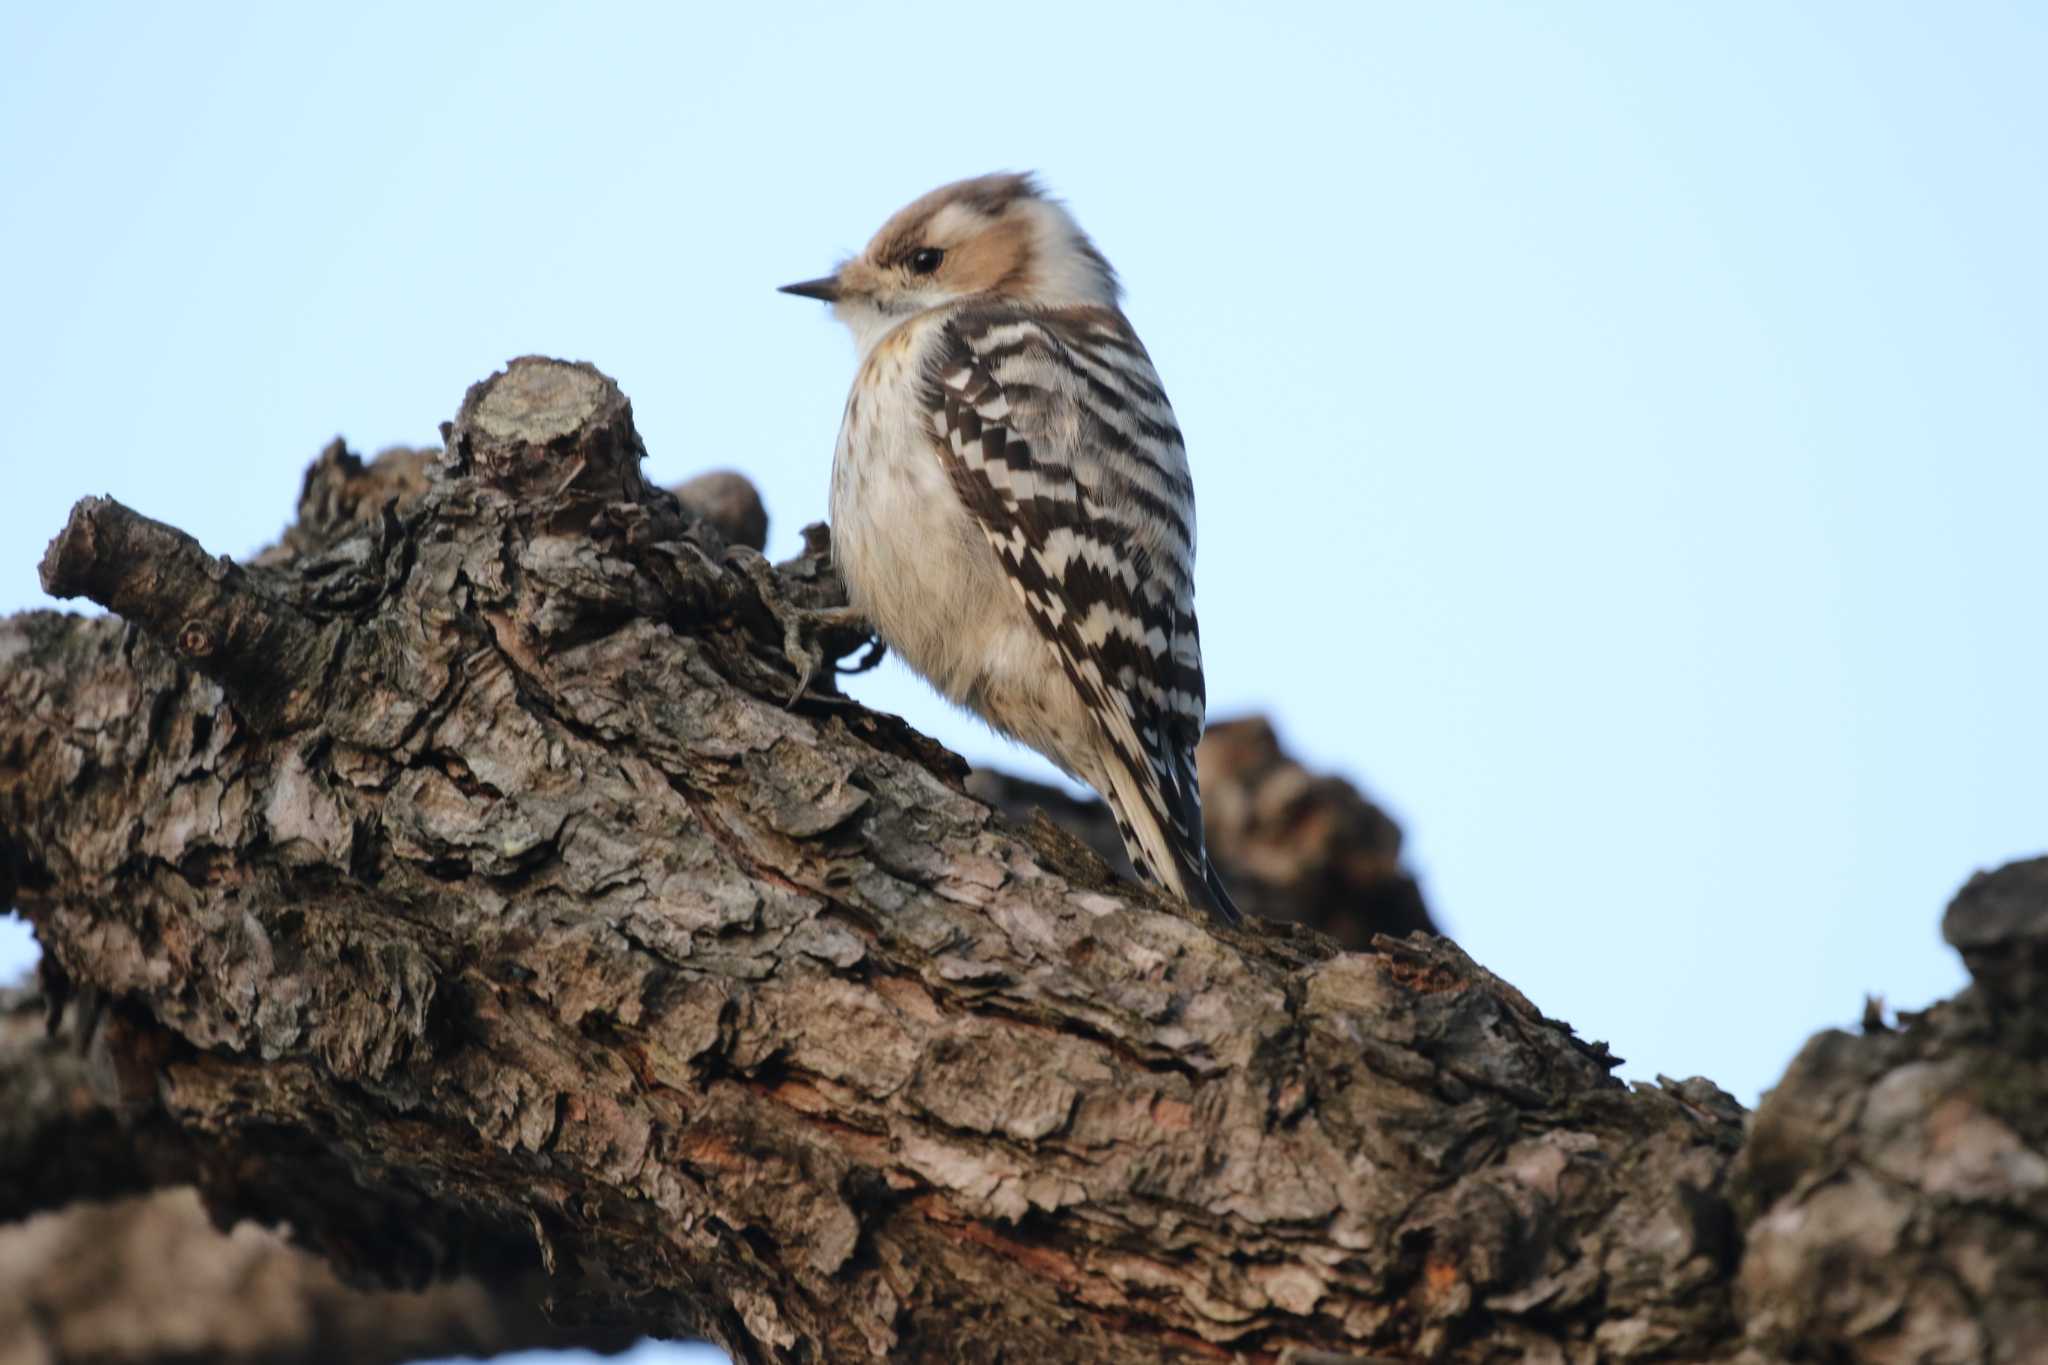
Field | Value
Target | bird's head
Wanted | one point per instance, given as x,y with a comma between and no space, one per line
994,235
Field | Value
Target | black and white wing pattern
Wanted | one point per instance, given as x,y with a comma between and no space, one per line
1058,437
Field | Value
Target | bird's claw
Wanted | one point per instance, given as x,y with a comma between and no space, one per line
801,631
804,629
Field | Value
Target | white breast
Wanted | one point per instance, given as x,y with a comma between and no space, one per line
920,568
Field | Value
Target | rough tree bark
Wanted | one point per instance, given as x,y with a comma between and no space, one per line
457,885
106,1254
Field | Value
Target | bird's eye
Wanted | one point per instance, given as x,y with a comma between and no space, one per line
925,260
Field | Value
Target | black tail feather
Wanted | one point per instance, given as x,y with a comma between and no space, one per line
1220,904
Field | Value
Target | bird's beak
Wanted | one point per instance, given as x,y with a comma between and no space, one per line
826,288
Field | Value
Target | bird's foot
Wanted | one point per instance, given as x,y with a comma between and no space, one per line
813,637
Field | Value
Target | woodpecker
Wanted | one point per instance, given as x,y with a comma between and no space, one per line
1011,506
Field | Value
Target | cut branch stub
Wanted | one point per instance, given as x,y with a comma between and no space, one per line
549,431
207,612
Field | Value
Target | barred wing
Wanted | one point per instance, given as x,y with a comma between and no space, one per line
1060,440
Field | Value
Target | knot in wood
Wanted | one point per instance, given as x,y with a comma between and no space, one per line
729,501
196,640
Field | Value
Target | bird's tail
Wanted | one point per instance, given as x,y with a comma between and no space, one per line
1161,825
1220,904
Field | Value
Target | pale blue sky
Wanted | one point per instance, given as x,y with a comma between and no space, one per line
1621,431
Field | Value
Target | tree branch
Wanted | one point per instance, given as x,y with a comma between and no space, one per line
133,1270
206,611
553,934
70,1290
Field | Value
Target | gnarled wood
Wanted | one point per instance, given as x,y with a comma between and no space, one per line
107,1255
530,923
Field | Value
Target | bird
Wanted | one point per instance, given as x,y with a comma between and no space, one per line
1011,505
